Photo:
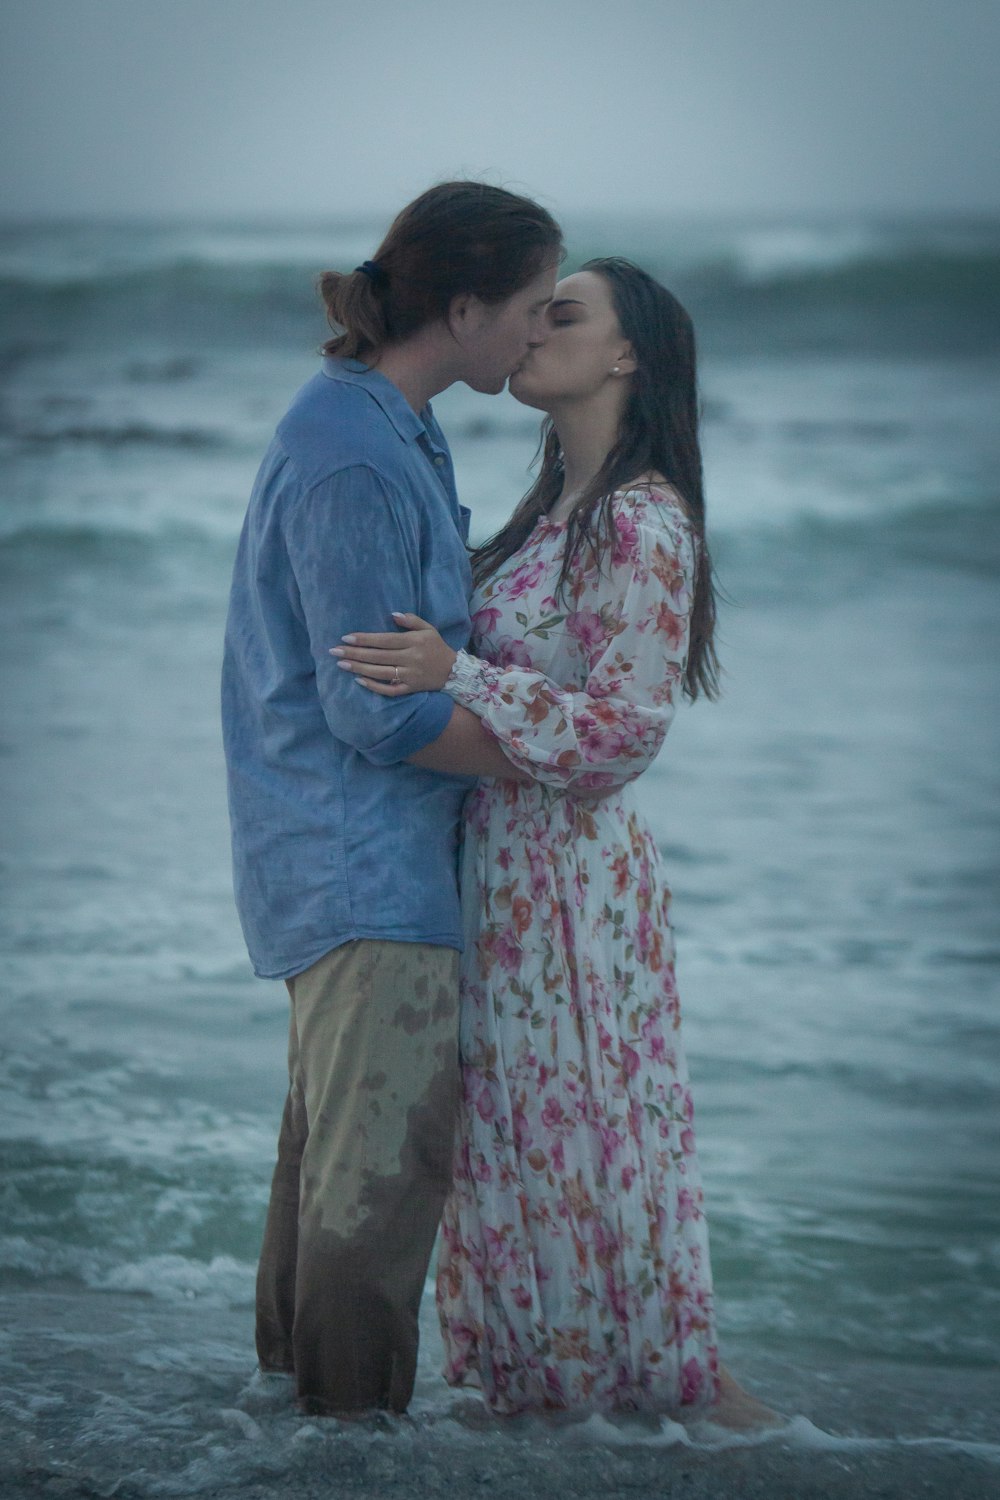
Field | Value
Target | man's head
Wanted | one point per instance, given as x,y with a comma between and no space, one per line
474,259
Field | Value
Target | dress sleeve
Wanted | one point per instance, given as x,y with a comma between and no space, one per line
634,632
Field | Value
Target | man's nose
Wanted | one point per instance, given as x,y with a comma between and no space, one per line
539,333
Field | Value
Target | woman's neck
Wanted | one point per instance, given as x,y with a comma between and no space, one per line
587,432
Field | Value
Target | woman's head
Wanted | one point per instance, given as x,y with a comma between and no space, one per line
457,240
615,329
619,338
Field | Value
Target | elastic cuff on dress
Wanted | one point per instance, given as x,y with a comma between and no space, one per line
465,679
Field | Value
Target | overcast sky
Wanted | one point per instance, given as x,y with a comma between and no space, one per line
299,107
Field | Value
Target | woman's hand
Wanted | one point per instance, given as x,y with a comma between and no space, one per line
416,660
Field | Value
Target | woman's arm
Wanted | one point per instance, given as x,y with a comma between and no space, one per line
466,748
635,629
635,632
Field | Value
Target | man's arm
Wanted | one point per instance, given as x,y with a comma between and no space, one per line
465,748
354,553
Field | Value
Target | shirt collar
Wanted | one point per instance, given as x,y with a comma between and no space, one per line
389,397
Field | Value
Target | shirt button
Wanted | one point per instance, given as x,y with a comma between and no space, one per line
439,459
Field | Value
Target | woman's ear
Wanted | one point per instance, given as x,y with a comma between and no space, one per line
626,362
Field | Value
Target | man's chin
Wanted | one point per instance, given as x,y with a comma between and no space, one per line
487,387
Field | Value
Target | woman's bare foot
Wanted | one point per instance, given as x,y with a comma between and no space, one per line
738,1411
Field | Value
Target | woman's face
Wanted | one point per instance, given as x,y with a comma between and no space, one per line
583,346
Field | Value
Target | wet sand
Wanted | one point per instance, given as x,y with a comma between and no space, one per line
111,1395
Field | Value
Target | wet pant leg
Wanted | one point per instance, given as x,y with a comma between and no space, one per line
364,1161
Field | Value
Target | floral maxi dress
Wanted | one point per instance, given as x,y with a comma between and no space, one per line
574,1270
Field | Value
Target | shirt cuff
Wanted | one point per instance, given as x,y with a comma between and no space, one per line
423,726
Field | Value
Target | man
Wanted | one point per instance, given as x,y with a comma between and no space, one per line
344,804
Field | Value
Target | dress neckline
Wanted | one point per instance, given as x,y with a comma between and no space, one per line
660,491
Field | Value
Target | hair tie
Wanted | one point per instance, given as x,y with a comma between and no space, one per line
375,273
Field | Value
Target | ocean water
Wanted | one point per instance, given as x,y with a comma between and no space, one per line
830,827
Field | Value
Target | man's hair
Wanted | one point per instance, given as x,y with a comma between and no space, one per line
458,237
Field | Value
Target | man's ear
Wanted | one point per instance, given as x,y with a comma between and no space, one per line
465,316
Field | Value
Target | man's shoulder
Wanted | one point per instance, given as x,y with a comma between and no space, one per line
332,426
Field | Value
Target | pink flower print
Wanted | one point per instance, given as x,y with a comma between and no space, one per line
504,858
477,812
604,1037
686,1207
684,1099
557,1156
643,936
620,870
508,951
657,1049
630,1060
508,652
666,567
522,1297
579,897
687,1140
483,1171
594,781
598,743
611,1144
522,1130
618,1299
538,867
501,1257
485,620
523,579
692,1377
626,540
607,713
521,910
628,1177
485,1104
670,625
552,1113
586,627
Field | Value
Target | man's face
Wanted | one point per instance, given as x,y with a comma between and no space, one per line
497,338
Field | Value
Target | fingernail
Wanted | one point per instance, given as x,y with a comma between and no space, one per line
348,638
397,614
336,650
345,666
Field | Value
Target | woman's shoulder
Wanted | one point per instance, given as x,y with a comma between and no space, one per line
652,500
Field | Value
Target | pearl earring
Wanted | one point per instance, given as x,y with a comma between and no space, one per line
616,370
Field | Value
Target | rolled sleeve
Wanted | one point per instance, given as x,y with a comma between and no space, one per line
354,551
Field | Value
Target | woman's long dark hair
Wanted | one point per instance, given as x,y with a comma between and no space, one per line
659,434
457,237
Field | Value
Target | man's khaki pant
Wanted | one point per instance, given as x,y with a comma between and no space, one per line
364,1165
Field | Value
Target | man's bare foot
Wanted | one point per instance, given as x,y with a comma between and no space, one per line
738,1411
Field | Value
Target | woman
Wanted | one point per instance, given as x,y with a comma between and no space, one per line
574,1268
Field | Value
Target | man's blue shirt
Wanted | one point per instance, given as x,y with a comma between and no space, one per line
353,514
